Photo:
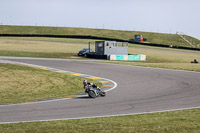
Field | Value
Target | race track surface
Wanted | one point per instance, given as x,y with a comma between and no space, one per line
139,90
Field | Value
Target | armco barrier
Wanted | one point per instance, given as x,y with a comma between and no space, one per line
139,57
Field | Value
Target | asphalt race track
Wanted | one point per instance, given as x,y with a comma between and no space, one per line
139,90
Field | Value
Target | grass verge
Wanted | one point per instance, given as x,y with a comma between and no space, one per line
164,58
62,48
165,122
50,40
20,84
29,48
39,54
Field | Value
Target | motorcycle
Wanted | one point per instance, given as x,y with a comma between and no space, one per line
94,91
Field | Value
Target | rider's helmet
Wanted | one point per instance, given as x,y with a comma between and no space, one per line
84,82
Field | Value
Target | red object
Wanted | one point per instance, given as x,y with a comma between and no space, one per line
141,39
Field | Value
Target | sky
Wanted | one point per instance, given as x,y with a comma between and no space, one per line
163,16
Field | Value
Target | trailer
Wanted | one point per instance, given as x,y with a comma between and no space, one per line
103,49
112,50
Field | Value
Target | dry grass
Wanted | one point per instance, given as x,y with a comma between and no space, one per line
47,39
29,48
36,46
166,58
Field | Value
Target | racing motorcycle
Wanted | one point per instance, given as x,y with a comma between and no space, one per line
94,91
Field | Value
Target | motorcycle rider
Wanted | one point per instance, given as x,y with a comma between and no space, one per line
86,84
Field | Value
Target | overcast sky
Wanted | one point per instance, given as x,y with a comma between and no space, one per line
164,16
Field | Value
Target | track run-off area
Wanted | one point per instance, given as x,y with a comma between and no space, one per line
138,90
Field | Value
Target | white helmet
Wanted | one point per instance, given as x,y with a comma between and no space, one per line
84,81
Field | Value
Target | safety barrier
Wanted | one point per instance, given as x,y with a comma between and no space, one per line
139,57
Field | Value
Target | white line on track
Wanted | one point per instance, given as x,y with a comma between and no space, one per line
58,99
101,116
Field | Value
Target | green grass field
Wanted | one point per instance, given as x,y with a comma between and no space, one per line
157,38
19,84
186,121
